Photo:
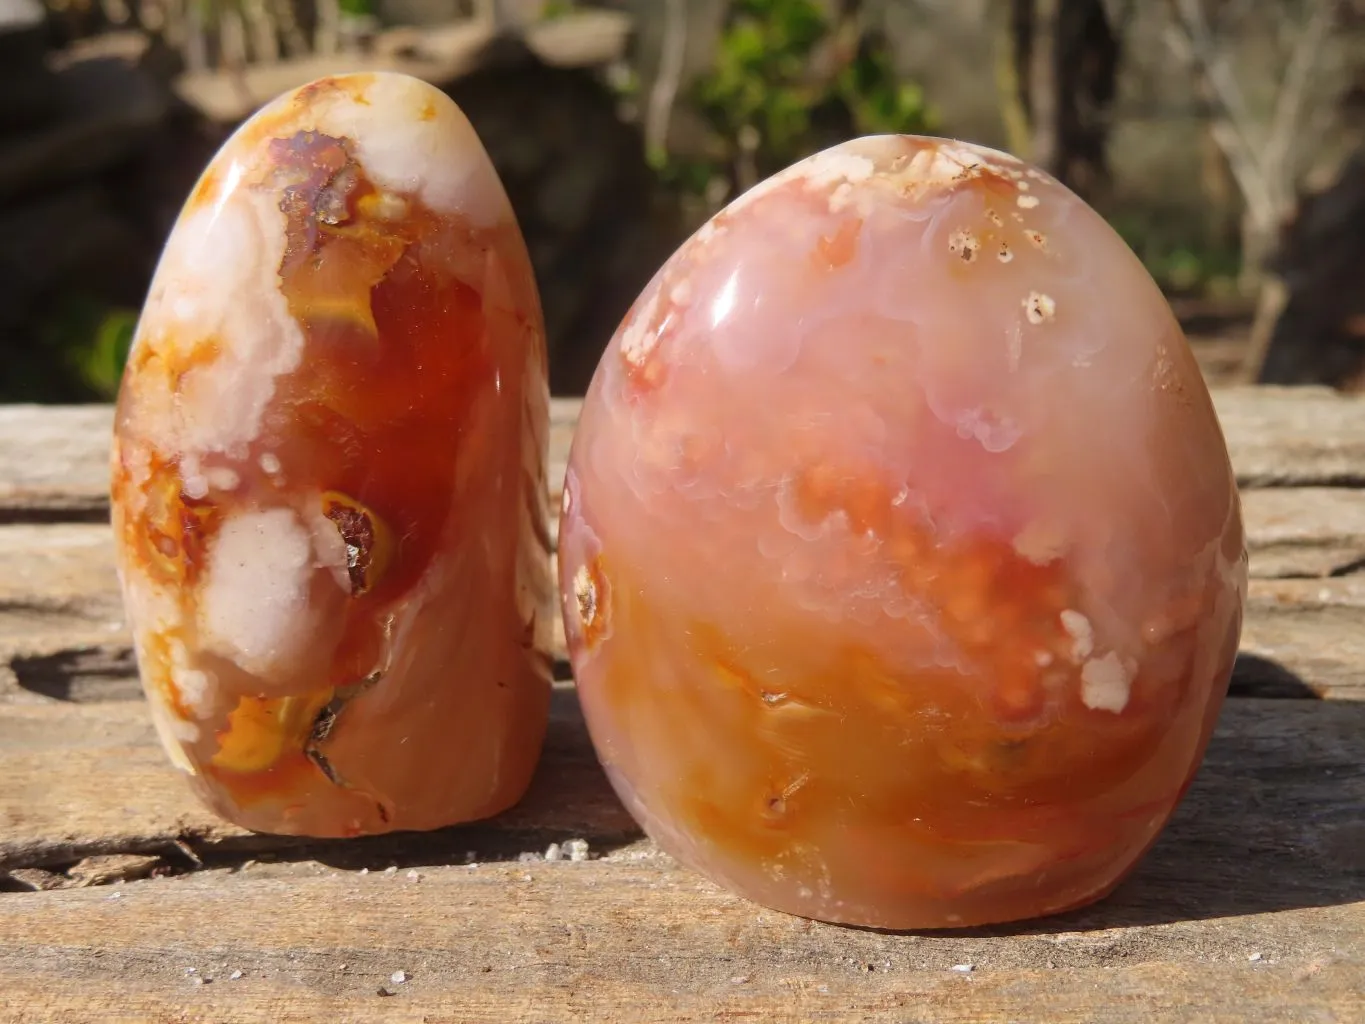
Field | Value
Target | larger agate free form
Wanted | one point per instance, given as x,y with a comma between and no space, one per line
328,473
901,557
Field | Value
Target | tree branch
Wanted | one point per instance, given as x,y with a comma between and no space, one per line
1009,87
1277,158
1232,126
664,91
1120,14
1211,61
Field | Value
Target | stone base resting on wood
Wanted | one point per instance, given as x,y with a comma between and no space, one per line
128,901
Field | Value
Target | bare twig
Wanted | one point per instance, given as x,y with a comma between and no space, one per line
1013,113
503,16
1230,12
327,35
1045,144
1262,156
286,17
1213,58
664,92
1270,304
1120,14
232,37
1233,126
265,43
196,42
1293,93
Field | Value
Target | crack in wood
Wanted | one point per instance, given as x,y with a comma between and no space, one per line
1350,568
96,512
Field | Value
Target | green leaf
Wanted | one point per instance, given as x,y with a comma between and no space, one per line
101,359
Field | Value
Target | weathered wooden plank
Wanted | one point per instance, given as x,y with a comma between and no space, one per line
62,631
1286,777
1290,532
58,577
1302,637
1293,436
561,943
633,936
90,779
1277,437
54,460
1304,531
545,985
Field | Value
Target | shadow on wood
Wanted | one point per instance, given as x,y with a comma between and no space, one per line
1255,676
1272,823
80,675
569,798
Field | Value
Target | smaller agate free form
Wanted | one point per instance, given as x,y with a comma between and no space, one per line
901,556
329,473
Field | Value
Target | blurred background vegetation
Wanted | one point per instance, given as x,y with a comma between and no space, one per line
1221,138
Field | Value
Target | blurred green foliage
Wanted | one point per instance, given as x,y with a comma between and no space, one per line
1179,263
75,352
786,82
98,357
556,9
761,76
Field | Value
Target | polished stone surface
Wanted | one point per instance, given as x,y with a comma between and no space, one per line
901,557
329,470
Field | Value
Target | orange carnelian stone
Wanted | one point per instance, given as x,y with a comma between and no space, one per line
901,556
329,473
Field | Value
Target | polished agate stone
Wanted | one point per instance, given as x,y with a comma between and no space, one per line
329,473
902,562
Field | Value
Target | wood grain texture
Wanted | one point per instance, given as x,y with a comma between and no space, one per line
1266,856
1304,531
622,942
90,779
1302,637
302,989
1300,437
54,460
62,629
1276,436
1284,779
